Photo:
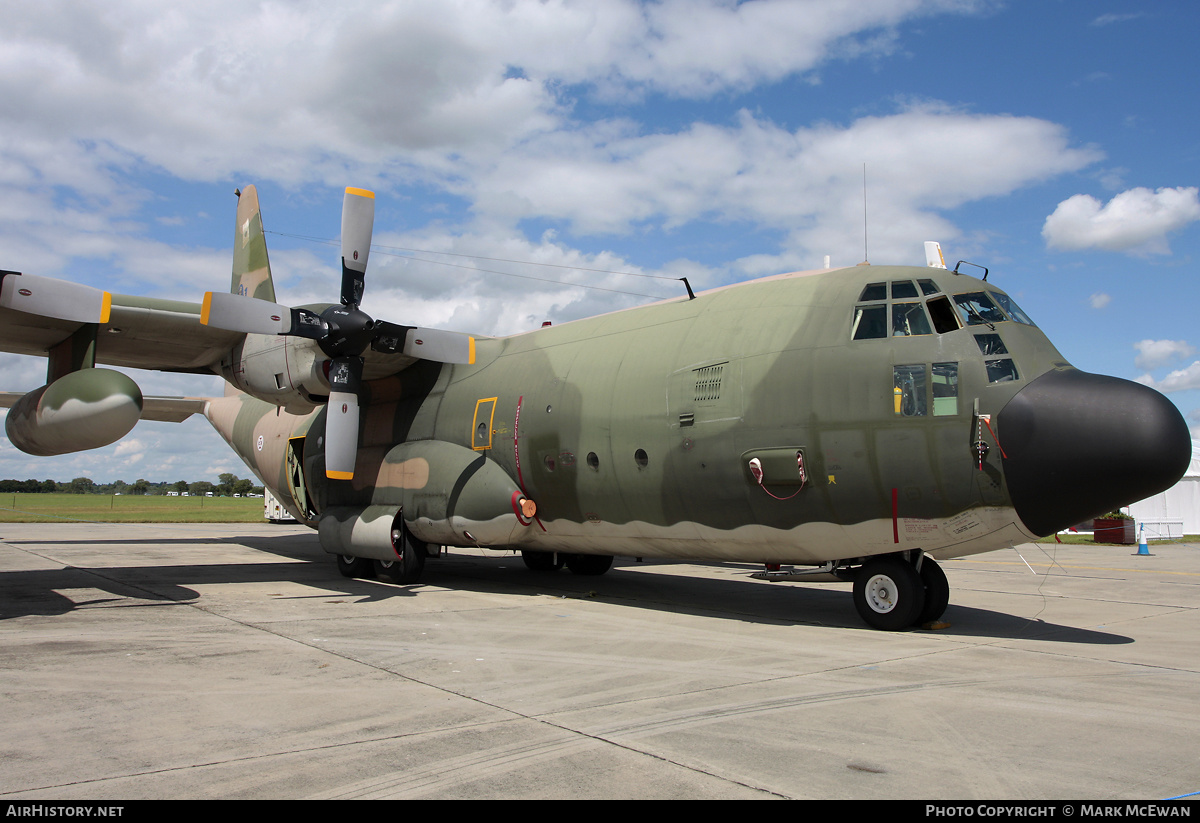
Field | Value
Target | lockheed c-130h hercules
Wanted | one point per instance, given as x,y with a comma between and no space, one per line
854,424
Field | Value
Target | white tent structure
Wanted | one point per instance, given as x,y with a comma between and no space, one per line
1163,512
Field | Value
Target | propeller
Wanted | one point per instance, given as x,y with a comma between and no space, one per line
60,299
343,332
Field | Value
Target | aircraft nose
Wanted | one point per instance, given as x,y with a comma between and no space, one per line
1078,445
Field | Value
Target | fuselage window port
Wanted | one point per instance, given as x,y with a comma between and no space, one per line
908,390
909,319
640,458
944,318
593,462
945,389
870,322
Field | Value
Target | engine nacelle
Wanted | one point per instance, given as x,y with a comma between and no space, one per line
82,410
284,371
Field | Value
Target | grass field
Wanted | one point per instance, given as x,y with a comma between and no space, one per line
128,508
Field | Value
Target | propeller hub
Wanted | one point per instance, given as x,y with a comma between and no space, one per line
349,331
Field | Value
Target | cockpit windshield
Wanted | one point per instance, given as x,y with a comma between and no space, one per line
1014,311
977,308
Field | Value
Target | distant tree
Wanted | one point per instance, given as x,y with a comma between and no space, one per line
201,487
243,486
181,486
140,486
81,485
49,486
225,486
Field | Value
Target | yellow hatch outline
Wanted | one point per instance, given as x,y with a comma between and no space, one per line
475,422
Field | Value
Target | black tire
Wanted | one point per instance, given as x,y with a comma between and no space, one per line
888,593
542,561
591,564
410,557
937,592
355,567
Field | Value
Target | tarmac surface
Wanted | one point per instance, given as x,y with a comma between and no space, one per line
232,661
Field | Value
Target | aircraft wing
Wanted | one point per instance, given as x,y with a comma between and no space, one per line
155,334
141,333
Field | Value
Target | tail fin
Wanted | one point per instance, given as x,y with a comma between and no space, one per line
251,268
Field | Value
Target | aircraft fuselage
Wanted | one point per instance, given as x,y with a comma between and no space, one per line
634,432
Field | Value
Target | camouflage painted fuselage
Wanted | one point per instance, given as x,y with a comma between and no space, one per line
633,431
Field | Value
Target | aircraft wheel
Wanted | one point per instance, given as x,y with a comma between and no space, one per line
355,566
542,561
410,558
937,591
888,593
593,564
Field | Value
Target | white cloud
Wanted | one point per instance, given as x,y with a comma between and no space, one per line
1179,380
1099,300
806,182
305,91
1153,354
1137,220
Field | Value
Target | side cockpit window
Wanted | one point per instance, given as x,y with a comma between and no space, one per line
999,369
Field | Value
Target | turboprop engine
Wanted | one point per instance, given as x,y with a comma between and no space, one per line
82,410
285,371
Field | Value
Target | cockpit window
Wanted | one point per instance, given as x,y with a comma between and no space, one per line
944,319
1001,370
874,291
869,322
903,289
909,319
928,287
990,344
977,308
1010,306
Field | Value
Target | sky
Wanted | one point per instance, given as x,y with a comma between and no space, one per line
528,157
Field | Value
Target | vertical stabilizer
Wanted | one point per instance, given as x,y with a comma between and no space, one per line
251,269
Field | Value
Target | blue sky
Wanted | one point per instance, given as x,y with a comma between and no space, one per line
1055,142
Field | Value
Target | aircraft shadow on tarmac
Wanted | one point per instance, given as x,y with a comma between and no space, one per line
631,583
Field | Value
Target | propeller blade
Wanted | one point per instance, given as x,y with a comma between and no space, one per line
341,418
224,310
358,221
389,337
59,299
440,346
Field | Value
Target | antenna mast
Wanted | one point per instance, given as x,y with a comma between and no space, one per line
866,256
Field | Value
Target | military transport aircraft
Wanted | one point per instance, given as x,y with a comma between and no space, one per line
853,424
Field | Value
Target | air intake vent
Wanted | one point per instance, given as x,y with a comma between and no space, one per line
708,383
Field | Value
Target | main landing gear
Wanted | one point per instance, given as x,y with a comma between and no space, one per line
890,593
405,568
